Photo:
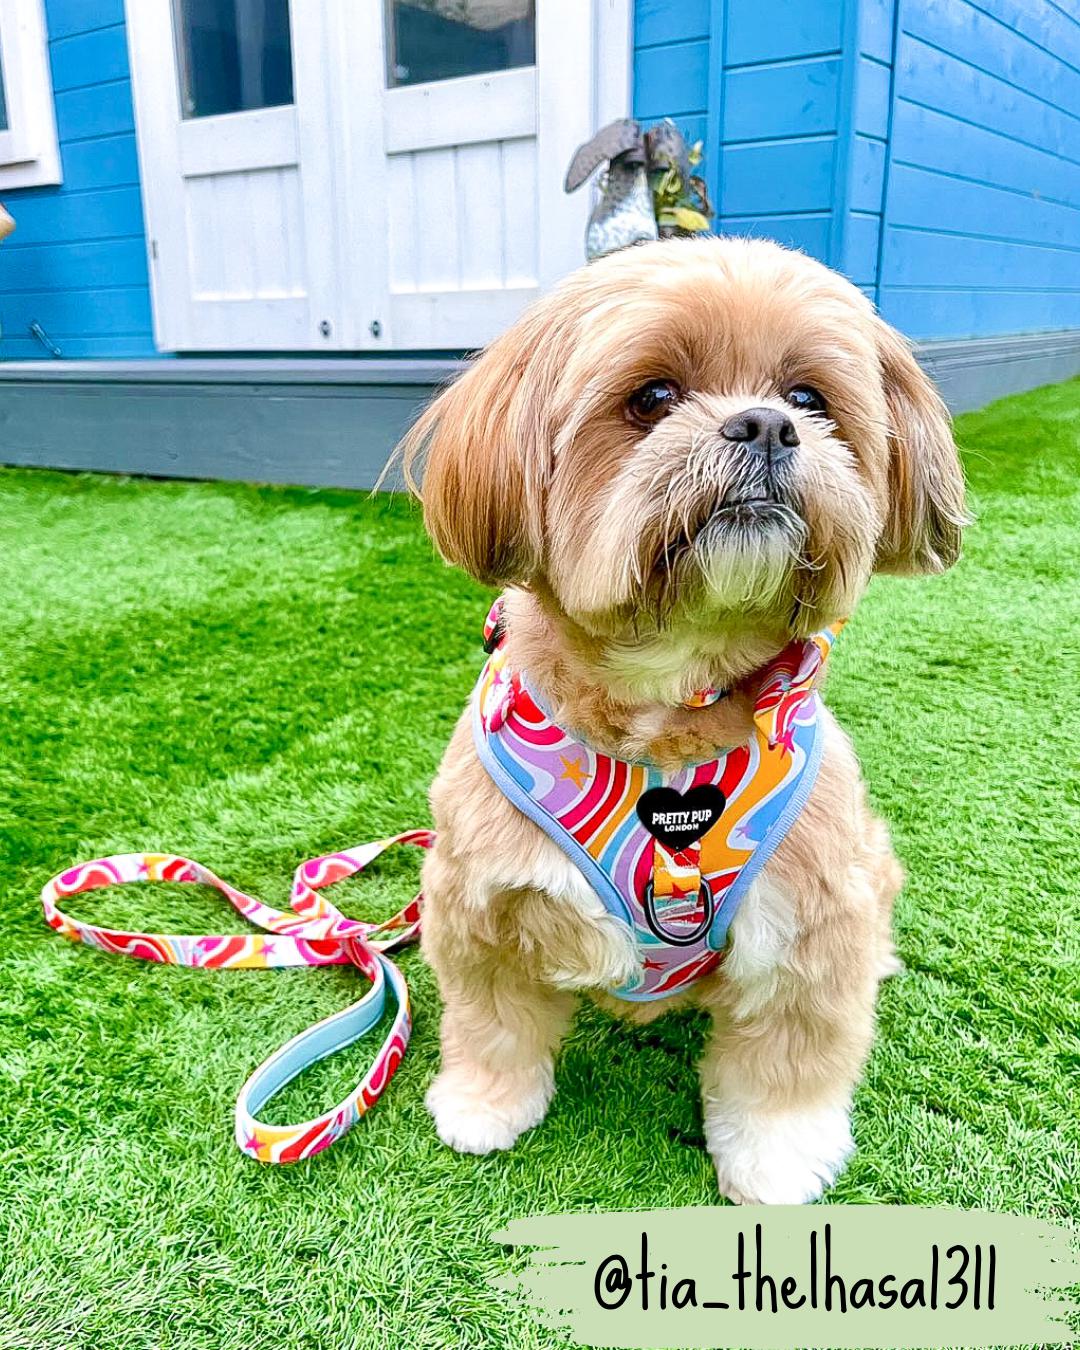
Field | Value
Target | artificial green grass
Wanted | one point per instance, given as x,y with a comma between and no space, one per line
252,676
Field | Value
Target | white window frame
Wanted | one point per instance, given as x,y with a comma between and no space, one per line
29,151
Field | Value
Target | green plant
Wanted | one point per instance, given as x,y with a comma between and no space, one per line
681,201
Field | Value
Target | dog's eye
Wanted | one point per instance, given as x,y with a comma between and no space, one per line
652,401
805,398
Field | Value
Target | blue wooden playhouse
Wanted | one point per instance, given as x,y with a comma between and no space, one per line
252,235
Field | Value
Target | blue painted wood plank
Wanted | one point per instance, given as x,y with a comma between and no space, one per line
876,28
111,161
87,313
941,81
662,21
789,176
923,258
938,141
959,28
112,348
693,128
867,174
670,81
109,214
861,248
71,266
810,233
774,30
921,197
89,58
66,17
1042,24
102,110
872,92
798,99
937,313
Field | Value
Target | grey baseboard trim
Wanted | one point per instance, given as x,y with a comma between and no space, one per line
972,372
314,422
246,370
333,423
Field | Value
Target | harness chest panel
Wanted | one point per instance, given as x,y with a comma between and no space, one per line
587,802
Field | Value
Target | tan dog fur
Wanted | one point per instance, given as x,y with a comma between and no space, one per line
637,574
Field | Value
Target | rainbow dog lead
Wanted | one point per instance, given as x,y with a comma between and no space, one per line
311,933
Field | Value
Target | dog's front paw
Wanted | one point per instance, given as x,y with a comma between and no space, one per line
770,1159
480,1112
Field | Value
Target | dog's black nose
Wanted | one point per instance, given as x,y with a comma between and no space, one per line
765,431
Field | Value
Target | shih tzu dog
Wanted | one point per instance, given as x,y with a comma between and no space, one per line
682,466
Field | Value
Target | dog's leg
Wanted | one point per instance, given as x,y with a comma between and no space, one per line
501,1023
508,963
794,1019
500,1031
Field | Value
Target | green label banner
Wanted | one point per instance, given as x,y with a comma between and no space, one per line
822,1276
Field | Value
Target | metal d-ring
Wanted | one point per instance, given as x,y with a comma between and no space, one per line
681,939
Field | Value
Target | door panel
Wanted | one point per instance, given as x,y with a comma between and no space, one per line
460,112
234,191
479,223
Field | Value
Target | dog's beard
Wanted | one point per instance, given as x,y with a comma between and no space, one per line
738,548
748,553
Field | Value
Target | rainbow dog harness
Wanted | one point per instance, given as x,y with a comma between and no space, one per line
669,855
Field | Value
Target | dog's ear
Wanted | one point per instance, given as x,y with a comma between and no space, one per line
926,511
482,448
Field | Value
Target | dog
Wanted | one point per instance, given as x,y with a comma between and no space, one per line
687,457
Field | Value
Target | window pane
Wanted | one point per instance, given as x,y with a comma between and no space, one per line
234,55
442,39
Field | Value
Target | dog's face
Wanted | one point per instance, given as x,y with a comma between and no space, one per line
694,435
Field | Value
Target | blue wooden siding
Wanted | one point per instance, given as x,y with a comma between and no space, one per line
928,148
76,263
982,208
760,84
671,63
865,135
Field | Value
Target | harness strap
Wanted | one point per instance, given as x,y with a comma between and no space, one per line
676,875
312,932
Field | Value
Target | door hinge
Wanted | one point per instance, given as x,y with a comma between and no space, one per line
153,249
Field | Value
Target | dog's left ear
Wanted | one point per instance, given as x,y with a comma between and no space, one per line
926,510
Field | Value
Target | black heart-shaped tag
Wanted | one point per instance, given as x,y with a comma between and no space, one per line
680,818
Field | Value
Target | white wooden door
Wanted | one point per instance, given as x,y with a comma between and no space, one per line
402,192
232,113
464,173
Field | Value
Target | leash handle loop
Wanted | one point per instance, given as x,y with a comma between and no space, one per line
312,932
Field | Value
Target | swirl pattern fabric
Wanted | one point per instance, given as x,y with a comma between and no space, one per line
586,802
312,932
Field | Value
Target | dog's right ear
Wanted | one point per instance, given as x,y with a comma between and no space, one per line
481,448
926,480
